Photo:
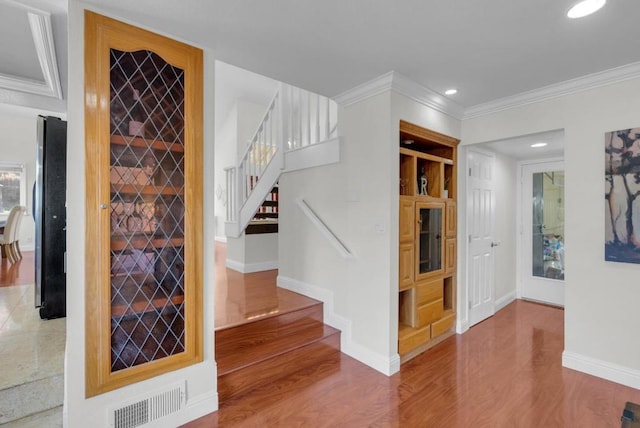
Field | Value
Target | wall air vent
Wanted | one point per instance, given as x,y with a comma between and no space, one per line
151,407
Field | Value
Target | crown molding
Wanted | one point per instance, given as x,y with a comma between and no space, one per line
41,30
400,84
365,90
568,87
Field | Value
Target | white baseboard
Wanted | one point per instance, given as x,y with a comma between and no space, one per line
605,370
251,267
504,300
383,364
27,247
462,326
221,239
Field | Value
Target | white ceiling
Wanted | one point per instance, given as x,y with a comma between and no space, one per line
520,148
487,49
33,54
233,84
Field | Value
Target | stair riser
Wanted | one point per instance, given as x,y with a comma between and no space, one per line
31,398
263,372
256,345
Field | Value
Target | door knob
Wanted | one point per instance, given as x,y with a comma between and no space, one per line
495,244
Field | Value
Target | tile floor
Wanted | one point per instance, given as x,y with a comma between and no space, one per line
31,351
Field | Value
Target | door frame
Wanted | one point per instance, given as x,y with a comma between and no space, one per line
523,265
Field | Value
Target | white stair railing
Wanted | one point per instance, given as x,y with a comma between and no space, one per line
294,119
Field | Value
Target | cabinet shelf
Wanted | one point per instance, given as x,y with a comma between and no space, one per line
133,189
145,143
140,241
145,302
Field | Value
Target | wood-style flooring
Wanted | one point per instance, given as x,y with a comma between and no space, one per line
20,273
504,372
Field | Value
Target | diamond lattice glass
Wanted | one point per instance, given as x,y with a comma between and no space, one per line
147,209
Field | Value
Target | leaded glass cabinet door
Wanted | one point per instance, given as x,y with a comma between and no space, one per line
430,239
144,204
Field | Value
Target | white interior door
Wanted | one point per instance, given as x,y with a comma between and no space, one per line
480,225
542,232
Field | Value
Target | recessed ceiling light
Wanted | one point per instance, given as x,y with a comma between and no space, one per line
451,92
585,7
536,145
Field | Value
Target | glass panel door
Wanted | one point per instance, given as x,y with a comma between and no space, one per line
542,244
430,241
548,224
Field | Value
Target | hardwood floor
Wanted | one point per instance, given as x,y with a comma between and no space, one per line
505,372
20,273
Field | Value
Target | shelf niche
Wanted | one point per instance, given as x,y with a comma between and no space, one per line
427,239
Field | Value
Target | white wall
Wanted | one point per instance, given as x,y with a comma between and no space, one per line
601,314
18,145
201,378
225,156
253,253
506,180
358,200
231,142
350,197
249,117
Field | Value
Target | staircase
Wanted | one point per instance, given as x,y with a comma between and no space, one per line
266,218
255,354
298,130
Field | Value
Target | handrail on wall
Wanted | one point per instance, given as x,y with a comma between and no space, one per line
324,229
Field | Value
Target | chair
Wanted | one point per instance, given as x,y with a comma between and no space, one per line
9,240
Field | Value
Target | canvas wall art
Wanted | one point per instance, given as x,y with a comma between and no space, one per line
622,191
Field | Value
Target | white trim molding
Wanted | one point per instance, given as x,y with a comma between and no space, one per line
41,30
602,369
430,98
398,83
502,302
384,364
251,267
568,87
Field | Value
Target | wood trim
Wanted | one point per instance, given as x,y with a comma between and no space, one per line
422,155
134,189
101,34
143,144
427,134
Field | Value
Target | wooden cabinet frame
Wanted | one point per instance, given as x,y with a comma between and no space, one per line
426,309
101,35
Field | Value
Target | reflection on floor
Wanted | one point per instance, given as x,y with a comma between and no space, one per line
31,354
242,298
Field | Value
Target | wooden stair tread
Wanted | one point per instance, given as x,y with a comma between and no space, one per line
243,351
286,302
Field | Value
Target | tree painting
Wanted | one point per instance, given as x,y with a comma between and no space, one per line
622,192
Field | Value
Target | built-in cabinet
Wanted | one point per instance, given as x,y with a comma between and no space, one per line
427,239
143,130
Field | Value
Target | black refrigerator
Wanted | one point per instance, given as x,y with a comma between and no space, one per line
50,215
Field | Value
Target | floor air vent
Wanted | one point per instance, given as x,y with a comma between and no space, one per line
142,411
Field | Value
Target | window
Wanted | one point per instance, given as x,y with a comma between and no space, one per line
13,187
